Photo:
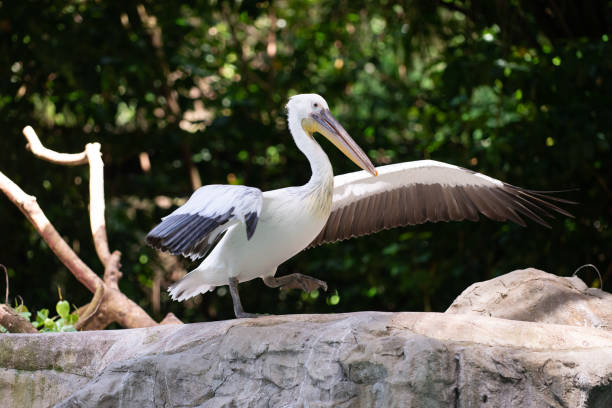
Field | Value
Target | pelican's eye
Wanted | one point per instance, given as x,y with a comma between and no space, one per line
316,105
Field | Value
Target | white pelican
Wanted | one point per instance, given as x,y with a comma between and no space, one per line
251,233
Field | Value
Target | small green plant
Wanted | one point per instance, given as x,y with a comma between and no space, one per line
64,321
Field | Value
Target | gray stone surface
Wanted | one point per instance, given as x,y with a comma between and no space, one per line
365,359
532,295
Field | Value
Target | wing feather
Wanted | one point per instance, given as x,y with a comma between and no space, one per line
195,227
428,191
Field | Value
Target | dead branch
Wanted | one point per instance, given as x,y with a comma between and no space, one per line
29,207
35,146
156,290
111,262
114,306
170,319
93,156
90,309
112,274
123,310
96,201
14,323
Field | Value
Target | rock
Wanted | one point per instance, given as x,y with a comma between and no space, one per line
365,359
532,295
499,345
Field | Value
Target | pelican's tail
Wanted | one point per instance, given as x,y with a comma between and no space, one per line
189,286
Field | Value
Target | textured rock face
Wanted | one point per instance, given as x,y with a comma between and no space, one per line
532,295
363,359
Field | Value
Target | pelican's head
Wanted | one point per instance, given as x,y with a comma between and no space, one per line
312,112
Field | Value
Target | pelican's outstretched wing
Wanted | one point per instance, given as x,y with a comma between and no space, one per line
426,190
193,228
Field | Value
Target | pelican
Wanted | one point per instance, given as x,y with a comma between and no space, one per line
243,233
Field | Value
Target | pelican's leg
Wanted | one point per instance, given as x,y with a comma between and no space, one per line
238,311
295,281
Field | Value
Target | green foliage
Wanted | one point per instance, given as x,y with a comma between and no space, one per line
517,90
64,321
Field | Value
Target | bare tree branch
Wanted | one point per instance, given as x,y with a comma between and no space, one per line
112,274
14,323
96,201
111,262
170,319
156,290
90,309
118,307
114,306
92,155
29,207
9,318
35,146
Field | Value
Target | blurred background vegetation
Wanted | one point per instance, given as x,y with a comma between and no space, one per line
181,95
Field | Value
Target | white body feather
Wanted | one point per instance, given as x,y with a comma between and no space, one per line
289,220
286,226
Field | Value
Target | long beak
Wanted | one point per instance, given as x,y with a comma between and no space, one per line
329,127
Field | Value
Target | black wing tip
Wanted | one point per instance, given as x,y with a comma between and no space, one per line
251,220
150,241
546,194
546,202
153,241
157,242
182,234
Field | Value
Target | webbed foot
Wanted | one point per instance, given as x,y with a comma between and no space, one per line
295,281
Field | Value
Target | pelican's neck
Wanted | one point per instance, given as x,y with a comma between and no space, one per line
322,173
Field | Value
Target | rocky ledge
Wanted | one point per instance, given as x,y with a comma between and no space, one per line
463,358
